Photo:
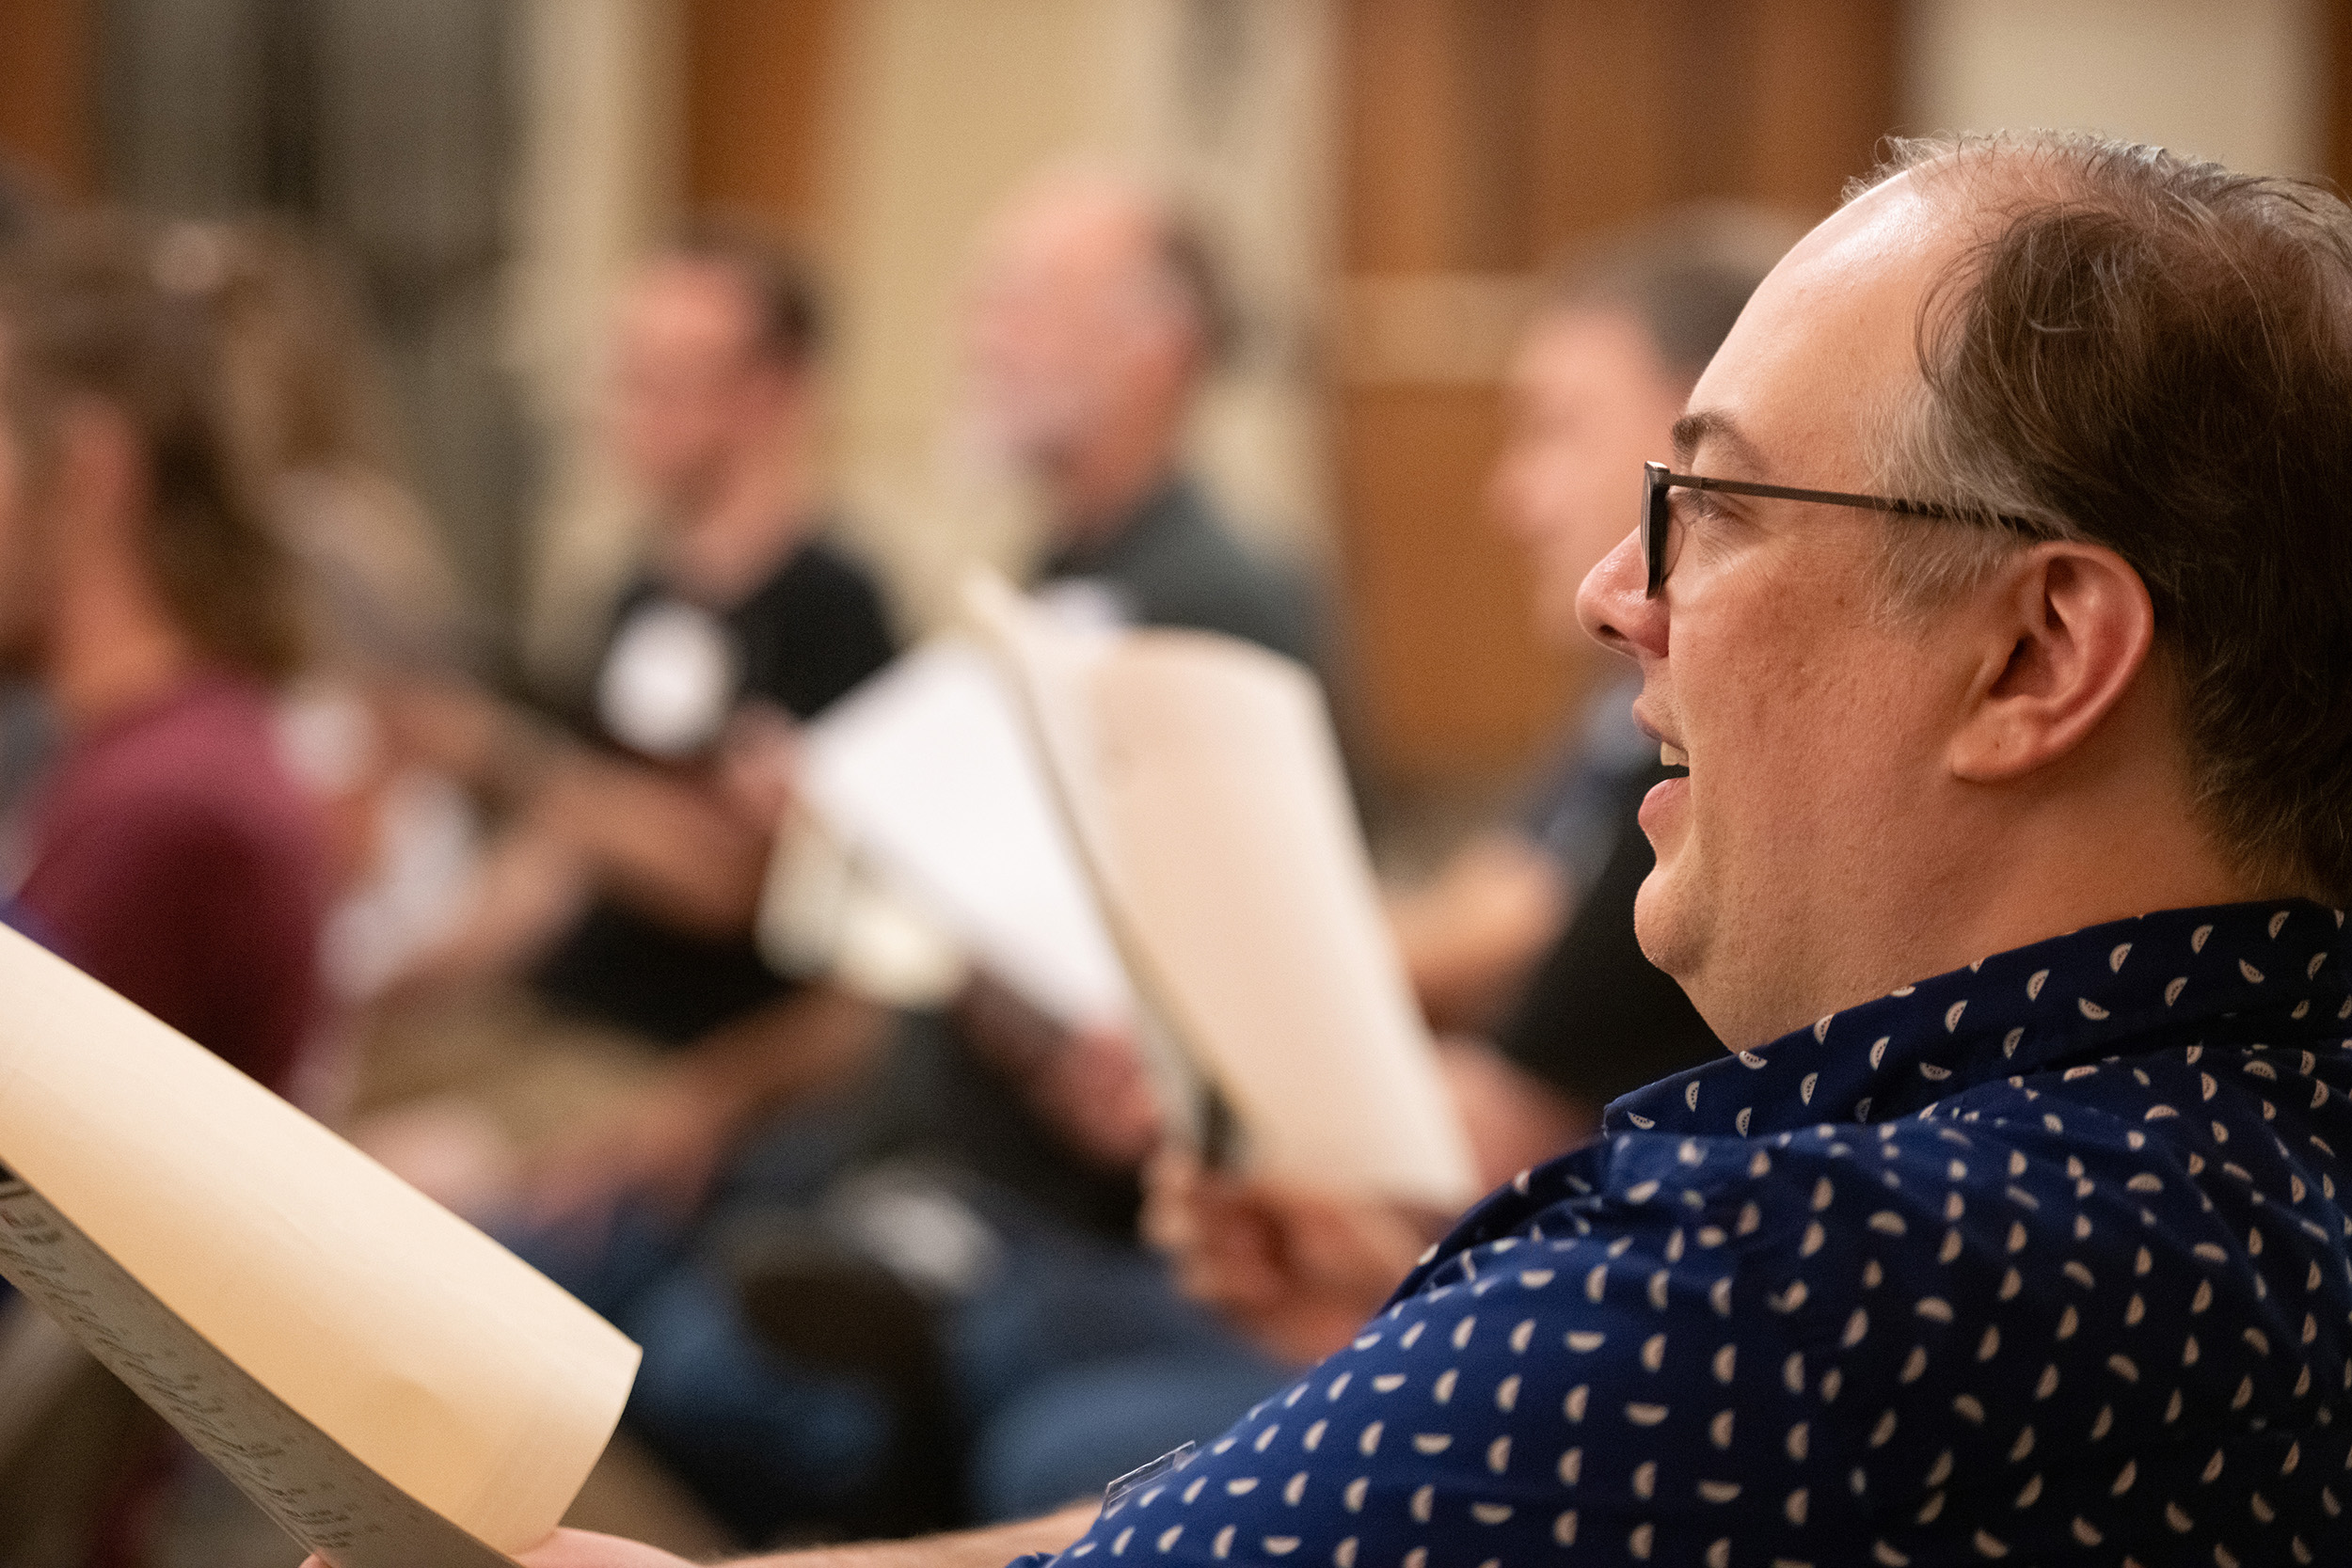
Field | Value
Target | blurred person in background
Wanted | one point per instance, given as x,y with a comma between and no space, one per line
624,881
169,850
623,878
1622,326
171,854
627,880
312,421
1603,369
969,1198
303,416
1527,935
1096,315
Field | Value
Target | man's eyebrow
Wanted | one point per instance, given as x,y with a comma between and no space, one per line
1711,424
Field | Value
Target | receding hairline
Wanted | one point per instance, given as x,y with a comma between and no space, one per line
1164,244
1090,199
2001,169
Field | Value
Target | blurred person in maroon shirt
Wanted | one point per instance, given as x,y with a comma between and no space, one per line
169,852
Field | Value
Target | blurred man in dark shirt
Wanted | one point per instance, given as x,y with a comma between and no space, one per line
1094,320
628,879
744,601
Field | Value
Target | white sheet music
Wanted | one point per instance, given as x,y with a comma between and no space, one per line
394,1387
927,773
1202,779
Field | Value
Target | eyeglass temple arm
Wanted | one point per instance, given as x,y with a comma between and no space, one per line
1824,497
1839,498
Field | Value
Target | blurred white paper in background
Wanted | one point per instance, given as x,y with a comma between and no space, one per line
926,773
394,1388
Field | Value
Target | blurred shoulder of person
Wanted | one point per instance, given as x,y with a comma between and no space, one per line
170,852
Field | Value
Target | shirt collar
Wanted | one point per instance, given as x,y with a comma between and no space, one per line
1170,504
2142,983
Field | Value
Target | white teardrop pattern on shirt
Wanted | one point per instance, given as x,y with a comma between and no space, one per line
2087,1290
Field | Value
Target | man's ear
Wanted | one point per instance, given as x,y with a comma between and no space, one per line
2066,630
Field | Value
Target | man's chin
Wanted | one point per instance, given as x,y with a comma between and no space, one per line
1659,924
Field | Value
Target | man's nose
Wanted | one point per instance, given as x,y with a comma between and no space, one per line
1613,606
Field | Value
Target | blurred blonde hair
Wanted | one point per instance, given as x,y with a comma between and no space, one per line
96,309
311,419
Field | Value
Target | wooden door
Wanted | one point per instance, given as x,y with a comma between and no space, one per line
46,73
758,78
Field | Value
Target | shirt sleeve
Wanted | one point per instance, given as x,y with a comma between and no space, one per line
197,922
1607,1378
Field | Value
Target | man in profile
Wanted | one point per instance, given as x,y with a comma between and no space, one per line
1998,603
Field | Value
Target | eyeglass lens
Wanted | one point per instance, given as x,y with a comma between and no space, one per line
1657,526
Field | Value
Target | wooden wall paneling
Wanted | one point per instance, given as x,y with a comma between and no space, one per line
759,77
1602,149
1397,134
1436,94
2336,131
1449,679
1643,103
1453,680
47,94
1479,138
1827,84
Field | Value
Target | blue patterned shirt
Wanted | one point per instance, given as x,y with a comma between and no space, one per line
2042,1260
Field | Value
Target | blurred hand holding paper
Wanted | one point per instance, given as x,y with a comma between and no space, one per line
1203,783
392,1387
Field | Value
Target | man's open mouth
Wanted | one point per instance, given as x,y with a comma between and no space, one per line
1671,755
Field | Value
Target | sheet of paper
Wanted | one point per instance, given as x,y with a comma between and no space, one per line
926,772
395,1388
312,1487
1202,777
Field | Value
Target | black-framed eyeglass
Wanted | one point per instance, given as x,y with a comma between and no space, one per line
1657,523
